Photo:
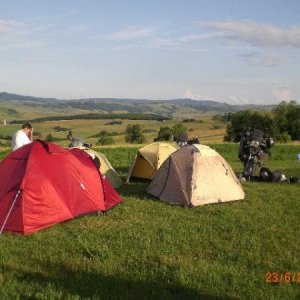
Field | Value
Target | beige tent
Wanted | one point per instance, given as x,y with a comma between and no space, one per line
196,175
149,159
106,168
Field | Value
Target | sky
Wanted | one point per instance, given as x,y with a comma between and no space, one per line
238,52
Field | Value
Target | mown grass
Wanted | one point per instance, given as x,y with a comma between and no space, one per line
147,249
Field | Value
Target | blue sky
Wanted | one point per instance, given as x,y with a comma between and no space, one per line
232,51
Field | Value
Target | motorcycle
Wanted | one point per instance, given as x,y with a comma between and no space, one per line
254,152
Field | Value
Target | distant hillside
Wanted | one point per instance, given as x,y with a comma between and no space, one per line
7,97
167,108
92,116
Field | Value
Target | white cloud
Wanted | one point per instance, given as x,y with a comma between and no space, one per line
262,60
282,94
172,45
191,95
186,39
6,26
131,32
235,100
262,35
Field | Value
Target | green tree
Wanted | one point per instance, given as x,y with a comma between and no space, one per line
133,134
248,120
287,119
164,134
179,132
105,138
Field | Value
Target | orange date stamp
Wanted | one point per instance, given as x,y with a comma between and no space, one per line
283,277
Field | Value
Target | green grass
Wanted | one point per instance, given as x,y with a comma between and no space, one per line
147,249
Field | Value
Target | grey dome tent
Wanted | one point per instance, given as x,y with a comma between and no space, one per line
196,175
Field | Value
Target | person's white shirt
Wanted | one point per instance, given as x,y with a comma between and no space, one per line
20,139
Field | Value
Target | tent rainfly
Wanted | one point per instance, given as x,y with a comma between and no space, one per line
43,184
149,159
196,175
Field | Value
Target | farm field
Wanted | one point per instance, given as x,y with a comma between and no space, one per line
208,130
147,249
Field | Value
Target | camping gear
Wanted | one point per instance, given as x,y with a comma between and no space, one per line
43,184
194,140
293,179
104,166
267,175
196,175
149,159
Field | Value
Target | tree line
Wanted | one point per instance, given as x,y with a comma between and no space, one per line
96,116
282,123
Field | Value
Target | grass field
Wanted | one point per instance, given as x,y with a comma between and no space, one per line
208,130
146,249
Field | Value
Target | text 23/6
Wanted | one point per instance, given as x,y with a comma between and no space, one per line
276,277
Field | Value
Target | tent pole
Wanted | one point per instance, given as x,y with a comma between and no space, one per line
9,212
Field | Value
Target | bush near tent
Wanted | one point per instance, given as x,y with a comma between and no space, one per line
105,167
196,175
149,159
43,184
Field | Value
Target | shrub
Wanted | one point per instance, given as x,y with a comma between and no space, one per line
134,134
282,137
105,140
114,123
164,134
49,138
179,132
59,128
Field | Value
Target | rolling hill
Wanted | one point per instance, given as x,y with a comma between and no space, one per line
13,106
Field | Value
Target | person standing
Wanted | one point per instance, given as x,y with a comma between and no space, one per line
22,137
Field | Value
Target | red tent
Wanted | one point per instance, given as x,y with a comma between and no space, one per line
42,184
